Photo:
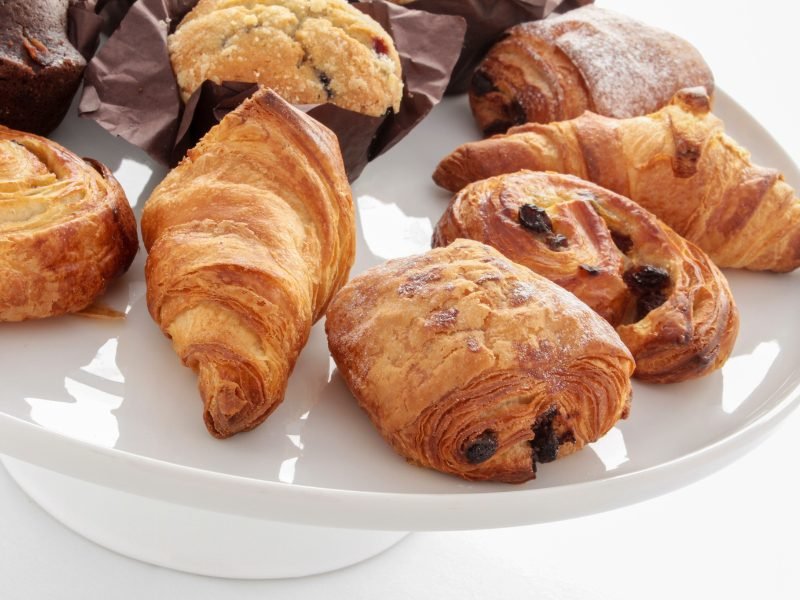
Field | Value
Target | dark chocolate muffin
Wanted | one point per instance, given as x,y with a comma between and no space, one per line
39,69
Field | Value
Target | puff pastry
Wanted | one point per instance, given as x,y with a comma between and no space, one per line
669,303
473,365
587,59
66,228
248,239
677,163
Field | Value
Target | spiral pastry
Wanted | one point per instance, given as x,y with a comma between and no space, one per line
473,365
66,228
669,303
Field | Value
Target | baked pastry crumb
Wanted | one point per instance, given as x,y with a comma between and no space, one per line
308,51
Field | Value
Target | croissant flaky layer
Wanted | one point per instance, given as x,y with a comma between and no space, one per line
677,163
66,228
587,59
473,365
669,303
248,239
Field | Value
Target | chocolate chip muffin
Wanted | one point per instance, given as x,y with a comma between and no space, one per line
309,51
39,69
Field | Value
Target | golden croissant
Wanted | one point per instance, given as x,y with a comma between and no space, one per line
677,163
670,305
66,228
473,365
248,239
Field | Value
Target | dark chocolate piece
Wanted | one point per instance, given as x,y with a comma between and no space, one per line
535,218
482,84
622,241
545,441
481,448
645,278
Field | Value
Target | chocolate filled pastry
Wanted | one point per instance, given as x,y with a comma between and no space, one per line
249,237
66,228
308,51
590,58
473,365
668,302
39,69
677,163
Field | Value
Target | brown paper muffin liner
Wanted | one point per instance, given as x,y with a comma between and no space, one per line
486,21
130,88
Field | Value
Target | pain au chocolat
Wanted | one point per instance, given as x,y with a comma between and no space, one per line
473,365
590,58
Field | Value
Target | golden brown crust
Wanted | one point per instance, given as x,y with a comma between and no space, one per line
249,237
670,305
473,365
308,51
677,163
66,228
587,59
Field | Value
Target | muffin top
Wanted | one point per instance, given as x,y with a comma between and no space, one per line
308,51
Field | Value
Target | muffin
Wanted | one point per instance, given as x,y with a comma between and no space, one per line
308,51
39,69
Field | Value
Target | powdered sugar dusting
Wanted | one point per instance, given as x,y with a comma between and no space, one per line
442,319
630,68
521,293
417,282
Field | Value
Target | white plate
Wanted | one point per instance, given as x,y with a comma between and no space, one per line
109,402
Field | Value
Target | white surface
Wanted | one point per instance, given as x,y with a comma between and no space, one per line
730,534
194,540
112,405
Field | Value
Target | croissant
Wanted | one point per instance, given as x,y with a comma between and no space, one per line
587,59
248,239
670,305
66,228
677,163
473,365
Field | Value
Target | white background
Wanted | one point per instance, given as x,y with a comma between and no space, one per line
732,535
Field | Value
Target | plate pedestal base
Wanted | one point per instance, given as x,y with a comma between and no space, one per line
192,540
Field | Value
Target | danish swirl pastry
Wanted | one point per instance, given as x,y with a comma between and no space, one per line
249,237
669,303
473,365
677,163
66,228
587,59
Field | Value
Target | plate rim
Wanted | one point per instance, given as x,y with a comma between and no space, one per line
363,509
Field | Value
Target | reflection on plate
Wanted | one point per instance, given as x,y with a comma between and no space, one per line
118,385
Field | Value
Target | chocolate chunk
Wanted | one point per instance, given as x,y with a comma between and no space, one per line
556,241
496,127
481,448
481,83
646,278
517,113
545,441
535,218
622,241
648,302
